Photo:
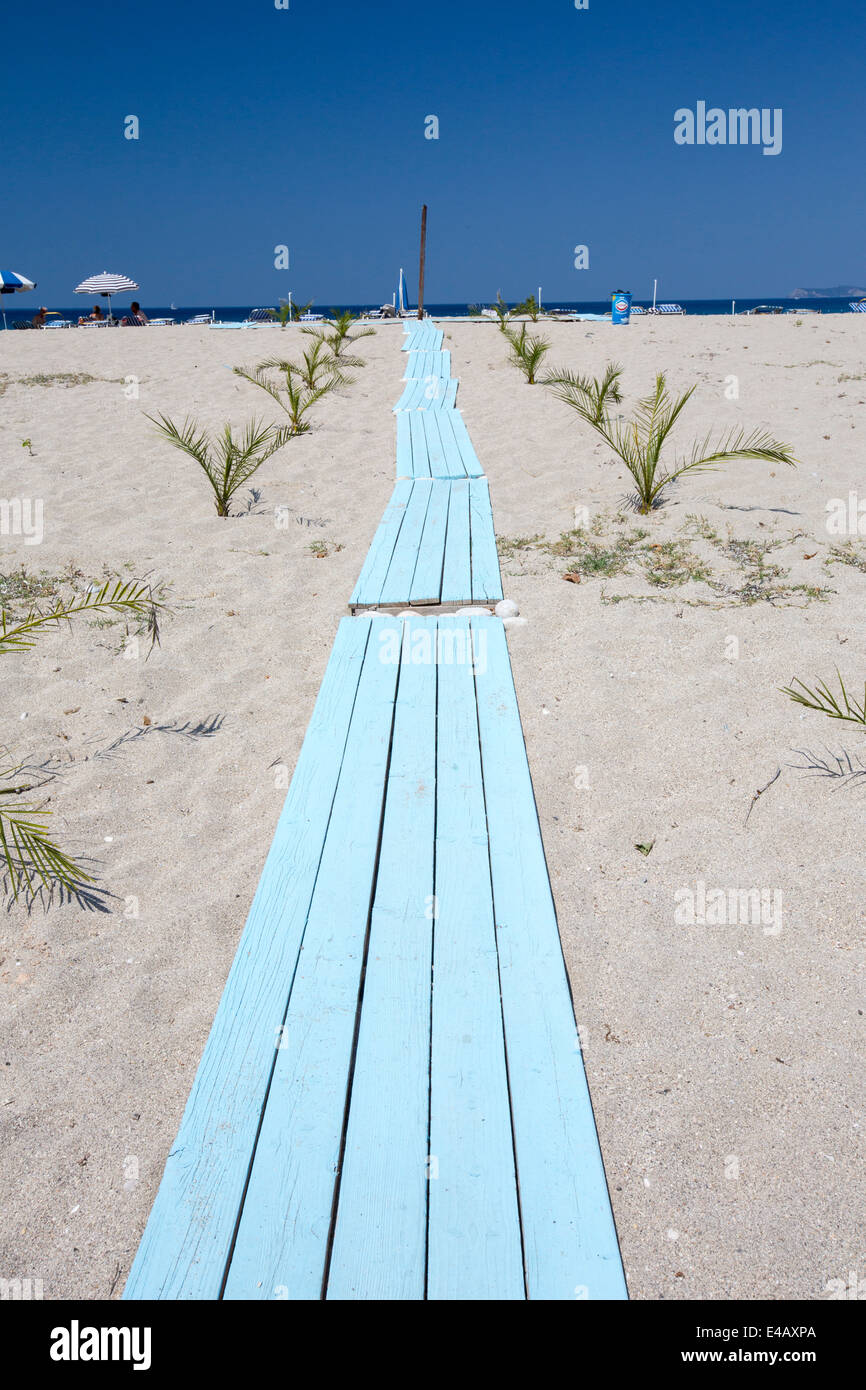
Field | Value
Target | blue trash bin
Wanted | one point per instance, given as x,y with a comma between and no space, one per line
620,304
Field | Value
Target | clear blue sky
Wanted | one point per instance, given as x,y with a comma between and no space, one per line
305,127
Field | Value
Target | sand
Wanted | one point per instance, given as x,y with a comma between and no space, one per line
725,1061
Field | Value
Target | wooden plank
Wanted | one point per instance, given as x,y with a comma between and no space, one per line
420,459
407,396
471,463
380,1236
404,447
427,579
457,569
486,578
397,584
569,1235
447,397
437,390
474,1230
453,460
375,568
188,1237
433,445
283,1235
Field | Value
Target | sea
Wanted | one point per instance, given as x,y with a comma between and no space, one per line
236,312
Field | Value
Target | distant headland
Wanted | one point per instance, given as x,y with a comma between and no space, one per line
834,292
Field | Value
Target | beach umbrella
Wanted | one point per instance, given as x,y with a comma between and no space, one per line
106,284
13,283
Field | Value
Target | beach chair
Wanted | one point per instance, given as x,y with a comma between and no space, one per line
59,323
666,309
135,320
857,306
199,318
260,316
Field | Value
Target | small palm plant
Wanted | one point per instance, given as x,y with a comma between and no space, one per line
303,383
530,307
527,352
639,442
290,313
502,312
226,462
317,365
338,336
32,860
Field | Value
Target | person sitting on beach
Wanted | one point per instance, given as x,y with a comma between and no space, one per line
96,317
136,318
38,319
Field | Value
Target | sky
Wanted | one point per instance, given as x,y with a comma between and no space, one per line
304,127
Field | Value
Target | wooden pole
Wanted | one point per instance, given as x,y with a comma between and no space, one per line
423,255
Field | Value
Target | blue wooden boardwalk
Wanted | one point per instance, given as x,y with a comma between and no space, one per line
435,445
435,545
392,1102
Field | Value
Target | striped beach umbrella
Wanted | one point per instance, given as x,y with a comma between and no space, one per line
13,283
106,284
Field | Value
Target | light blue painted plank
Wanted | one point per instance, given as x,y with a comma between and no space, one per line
380,1237
457,570
404,447
418,365
474,1230
433,444
464,443
420,458
437,391
186,1243
419,400
407,396
372,576
569,1235
446,396
486,578
397,584
283,1233
427,579
453,462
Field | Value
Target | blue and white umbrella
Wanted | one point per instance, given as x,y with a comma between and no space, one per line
13,283
106,284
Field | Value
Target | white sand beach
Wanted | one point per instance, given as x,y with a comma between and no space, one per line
725,1060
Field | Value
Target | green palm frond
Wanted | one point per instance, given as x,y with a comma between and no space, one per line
824,701
640,441
29,857
304,383
17,634
228,463
585,394
527,352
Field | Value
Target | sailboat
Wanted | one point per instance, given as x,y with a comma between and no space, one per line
403,309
